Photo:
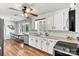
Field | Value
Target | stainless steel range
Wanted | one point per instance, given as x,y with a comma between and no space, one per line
66,49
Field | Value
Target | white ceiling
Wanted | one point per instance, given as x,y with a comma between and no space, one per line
42,8
39,8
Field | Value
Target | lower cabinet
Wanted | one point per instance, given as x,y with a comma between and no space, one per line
38,43
31,41
50,46
44,44
51,43
26,39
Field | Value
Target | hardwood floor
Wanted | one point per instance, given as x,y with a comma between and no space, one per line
13,48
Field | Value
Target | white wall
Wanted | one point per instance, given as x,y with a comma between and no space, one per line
7,30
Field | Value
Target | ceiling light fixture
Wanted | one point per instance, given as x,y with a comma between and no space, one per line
25,15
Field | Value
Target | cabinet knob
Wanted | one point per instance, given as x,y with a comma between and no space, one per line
36,40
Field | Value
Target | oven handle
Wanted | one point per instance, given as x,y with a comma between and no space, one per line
64,52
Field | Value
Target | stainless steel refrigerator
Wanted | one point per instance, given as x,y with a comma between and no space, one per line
1,37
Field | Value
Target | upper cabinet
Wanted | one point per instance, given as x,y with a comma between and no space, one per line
61,20
58,20
49,23
77,17
65,20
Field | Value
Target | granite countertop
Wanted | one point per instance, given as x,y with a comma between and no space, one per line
56,38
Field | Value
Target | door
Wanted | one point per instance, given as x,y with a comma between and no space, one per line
1,36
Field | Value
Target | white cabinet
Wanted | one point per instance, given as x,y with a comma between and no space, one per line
32,41
51,44
44,44
35,41
65,20
49,23
26,39
77,17
38,43
58,20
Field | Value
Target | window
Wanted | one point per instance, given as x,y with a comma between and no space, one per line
24,27
36,25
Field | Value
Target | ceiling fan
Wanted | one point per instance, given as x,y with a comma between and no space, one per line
26,11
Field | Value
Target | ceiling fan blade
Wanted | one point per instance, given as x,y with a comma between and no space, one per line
33,14
15,9
40,19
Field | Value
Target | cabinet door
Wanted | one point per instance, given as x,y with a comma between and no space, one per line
77,18
34,41
50,46
30,41
65,20
38,43
49,23
26,39
44,45
58,20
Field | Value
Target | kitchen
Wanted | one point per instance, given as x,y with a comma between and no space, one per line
52,29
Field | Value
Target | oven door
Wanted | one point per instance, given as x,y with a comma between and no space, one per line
57,53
